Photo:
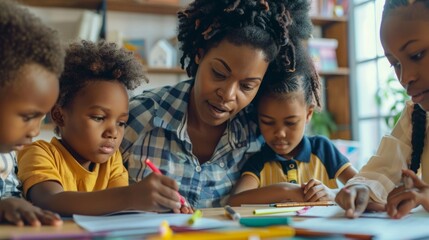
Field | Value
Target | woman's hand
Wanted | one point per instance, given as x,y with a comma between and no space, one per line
403,199
315,191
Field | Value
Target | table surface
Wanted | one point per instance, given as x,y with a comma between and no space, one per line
69,228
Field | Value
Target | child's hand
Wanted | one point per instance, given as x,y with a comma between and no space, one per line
155,192
19,212
315,191
401,200
186,209
355,199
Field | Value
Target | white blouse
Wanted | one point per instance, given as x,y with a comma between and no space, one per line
383,171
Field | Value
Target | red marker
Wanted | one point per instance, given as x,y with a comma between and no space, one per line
156,170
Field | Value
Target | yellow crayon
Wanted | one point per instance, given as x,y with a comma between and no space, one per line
165,230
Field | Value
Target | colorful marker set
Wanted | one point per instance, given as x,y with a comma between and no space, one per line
256,221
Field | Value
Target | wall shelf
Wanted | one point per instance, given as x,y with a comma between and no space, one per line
324,21
112,5
176,70
85,4
342,71
143,7
337,89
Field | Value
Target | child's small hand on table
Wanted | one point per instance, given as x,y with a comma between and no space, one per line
20,212
315,191
402,199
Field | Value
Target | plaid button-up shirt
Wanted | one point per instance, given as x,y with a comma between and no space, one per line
157,129
9,182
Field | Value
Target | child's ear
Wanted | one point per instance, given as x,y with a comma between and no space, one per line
199,56
310,111
57,115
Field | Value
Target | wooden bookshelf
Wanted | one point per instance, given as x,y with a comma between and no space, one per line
337,92
342,71
337,86
82,4
142,7
176,70
112,5
133,6
324,21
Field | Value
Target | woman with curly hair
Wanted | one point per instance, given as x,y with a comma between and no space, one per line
31,60
199,132
76,173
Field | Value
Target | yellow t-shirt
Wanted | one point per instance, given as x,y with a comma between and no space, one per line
43,161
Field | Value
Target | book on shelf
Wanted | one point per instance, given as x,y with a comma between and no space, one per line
89,26
323,52
73,24
329,8
138,47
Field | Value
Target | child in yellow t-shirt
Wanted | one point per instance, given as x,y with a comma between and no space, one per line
29,71
82,171
290,166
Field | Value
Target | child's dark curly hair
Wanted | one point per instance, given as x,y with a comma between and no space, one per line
87,62
279,82
24,39
419,115
271,26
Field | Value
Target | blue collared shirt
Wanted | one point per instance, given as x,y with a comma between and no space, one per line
317,158
157,129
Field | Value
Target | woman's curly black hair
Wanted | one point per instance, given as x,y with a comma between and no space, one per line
24,40
88,62
418,117
272,26
280,82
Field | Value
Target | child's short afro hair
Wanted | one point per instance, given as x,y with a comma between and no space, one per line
24,39
87,61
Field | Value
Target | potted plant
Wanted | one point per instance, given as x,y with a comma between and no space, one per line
396,96
322,123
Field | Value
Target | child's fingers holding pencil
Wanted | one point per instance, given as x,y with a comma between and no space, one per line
155,193
157,171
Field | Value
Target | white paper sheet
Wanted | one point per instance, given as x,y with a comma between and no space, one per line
144,222
413,226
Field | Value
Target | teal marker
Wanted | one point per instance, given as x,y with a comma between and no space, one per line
264,221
